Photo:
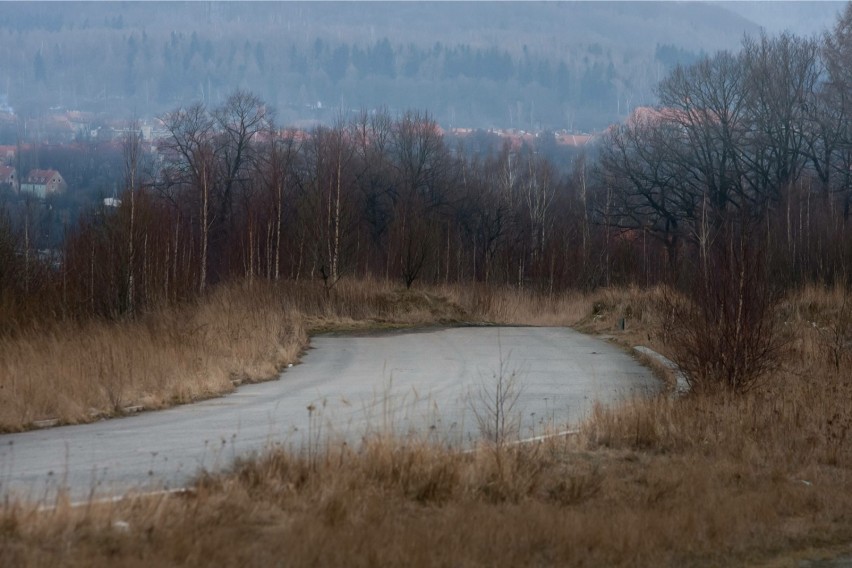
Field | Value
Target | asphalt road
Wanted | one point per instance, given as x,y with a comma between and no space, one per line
426,382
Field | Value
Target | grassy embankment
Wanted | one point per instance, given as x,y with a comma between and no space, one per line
763,478
238,333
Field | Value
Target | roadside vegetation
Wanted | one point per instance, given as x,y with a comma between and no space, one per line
762,477
243,332
715,478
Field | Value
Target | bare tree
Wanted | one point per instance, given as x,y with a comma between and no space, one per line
640,186
238,122
132,151
837,107
539,187
190,165
281,161
422,169
374,175
328,192
704,118
484,213
780,88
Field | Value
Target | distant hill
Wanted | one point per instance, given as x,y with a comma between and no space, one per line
802,18
530,65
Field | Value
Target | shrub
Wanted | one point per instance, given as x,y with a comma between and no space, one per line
722,331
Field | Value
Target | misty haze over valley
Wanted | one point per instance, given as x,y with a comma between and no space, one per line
534,66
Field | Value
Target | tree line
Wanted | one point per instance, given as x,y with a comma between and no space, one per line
229,195
758,139
740,175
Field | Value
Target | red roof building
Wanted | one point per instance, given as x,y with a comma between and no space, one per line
44,182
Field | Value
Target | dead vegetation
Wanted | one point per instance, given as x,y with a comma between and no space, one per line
756,478
557,503
78,372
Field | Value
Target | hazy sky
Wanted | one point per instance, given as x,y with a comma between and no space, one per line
799,17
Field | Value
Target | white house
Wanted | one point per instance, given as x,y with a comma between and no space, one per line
43,182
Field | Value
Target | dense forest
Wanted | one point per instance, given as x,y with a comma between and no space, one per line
530,66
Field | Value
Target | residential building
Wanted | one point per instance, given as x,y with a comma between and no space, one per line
8,178
43,183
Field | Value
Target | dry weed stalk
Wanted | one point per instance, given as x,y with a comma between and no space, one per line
494,406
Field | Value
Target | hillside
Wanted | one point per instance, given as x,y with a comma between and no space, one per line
575,65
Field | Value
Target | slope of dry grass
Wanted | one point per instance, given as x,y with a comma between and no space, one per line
763,478
240,332
562,502
168,356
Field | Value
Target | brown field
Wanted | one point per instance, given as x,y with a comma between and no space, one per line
762,478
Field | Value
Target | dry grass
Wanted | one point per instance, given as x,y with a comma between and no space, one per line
167,357
513,306
237,333
241,332
763,478
387,504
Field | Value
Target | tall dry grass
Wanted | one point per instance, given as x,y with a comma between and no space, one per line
392,503
800,413
168,356
763,478
238,332
177,354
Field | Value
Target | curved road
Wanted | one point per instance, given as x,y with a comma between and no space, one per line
425,381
